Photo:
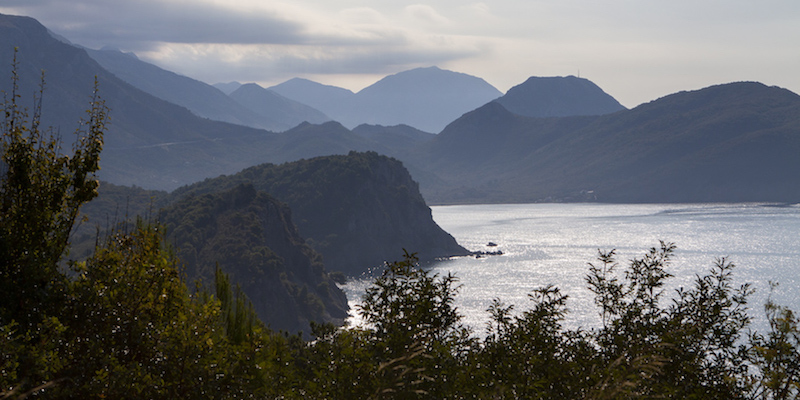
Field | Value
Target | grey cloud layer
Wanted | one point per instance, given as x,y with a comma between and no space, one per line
140,23
637,50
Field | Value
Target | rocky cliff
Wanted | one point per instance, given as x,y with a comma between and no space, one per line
357,210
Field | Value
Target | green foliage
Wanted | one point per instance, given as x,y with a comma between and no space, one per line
529,356
237,312
250,235
777,355
40,194
416,330
689,349
134,328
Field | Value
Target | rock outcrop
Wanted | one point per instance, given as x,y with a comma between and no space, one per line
357,210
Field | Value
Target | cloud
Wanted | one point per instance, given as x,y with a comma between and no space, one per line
635,47
275,63
362,16
426,14
139,24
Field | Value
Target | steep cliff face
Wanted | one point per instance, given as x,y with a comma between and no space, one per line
250,235
357,210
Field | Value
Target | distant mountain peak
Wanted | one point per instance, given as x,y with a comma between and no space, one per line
744,93
227,87
426,98
267,102
558,96
250,86
425,78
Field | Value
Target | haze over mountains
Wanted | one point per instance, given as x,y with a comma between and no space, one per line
200,98
734,142
281,111
425,98
544,140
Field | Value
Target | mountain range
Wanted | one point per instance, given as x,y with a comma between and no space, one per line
425,98
281,111
547,139
735,142
201,99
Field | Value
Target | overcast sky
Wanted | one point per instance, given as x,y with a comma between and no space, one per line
636,50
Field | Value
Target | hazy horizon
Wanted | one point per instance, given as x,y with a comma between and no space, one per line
636,52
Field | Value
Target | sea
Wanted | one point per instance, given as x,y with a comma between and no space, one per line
553,244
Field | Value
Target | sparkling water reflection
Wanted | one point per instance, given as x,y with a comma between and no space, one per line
553,243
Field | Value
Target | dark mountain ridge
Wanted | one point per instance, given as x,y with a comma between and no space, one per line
690,140
733,142
558,97
149,142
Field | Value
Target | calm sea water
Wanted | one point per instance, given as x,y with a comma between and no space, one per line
553,244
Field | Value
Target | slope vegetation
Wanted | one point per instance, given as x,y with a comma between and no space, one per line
729,143
357,210
250,235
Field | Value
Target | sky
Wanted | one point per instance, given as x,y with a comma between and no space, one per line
635,50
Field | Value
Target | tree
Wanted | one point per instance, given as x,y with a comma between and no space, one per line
776,355
531,356
40,193
687,350
136,330
41,190
415,329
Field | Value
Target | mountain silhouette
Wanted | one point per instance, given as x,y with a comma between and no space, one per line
202,99
149,142
424,98
283,112
358,210
227,87
732,143
558,97
331,100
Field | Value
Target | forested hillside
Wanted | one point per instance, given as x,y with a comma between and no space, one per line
357,210
250,236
